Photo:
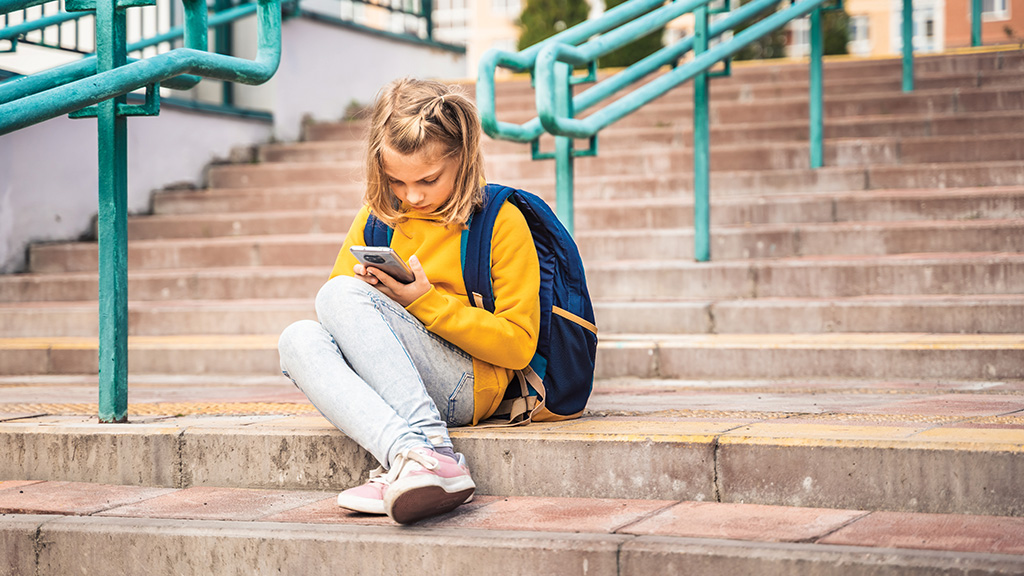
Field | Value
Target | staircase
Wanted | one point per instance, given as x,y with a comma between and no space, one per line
840,390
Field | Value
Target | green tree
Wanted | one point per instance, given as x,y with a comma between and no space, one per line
771,45
542,19
635,51
836,31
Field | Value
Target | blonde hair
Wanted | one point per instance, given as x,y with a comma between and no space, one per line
410,116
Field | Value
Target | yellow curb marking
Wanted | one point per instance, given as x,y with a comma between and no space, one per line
166,408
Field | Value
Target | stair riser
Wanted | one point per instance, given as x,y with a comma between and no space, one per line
731,244
810,316
889,85
981,275
670,360
142,321
604,172
83,258
824,280
796,131
726,244
266,200
634,360
744,317
672,213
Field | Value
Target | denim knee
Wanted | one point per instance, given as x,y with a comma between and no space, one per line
297,336
340,291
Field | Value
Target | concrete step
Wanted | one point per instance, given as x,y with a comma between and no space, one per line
978,204
215,225
855,355
214,200
793,240
841,443
860,206
840,69
147,318
679,133
651,160
668,110
179,529
596,245
660,174
164,254
992,314
808,276
184,284
766,90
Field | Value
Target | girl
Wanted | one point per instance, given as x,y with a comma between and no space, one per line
394,365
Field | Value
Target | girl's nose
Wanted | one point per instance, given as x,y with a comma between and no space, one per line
413,195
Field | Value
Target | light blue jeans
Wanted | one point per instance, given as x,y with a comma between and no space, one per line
376,373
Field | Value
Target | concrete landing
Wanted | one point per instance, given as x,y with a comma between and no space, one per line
67,528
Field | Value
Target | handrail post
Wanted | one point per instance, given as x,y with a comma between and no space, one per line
975,22
816,112
908,45
564,168
112,221
701,145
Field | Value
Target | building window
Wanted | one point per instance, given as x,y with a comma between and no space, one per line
995,9
508,8
860,37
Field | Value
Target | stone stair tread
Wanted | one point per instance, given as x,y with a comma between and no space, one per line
182,527
708,520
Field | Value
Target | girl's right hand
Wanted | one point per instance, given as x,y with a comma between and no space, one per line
404,294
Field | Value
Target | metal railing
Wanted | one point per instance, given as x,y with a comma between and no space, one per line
97,87
551,63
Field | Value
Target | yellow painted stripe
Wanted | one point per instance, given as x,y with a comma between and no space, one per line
185,342
166,408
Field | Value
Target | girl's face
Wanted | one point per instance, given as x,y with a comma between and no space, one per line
423,180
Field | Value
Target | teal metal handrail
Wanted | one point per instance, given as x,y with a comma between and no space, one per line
103,95
551,63
86,67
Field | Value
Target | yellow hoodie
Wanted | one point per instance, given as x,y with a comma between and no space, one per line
499,343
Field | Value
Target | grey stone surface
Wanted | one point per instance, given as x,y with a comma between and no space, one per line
117,546
873,475
18,543
662,555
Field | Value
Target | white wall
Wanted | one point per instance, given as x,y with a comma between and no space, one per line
48,174
325,67
48,181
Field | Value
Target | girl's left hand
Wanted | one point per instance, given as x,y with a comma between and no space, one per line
404,294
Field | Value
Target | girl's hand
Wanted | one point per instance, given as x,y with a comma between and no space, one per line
404,294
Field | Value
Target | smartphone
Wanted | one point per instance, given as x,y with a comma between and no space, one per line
385,259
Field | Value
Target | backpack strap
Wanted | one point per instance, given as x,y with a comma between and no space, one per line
376,232
476,247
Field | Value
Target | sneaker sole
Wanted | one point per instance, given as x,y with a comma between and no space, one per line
420,497
364,505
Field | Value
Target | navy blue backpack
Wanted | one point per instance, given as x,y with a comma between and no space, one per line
559,379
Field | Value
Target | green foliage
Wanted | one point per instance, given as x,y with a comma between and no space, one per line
772,45
635,51
836,31
542,19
